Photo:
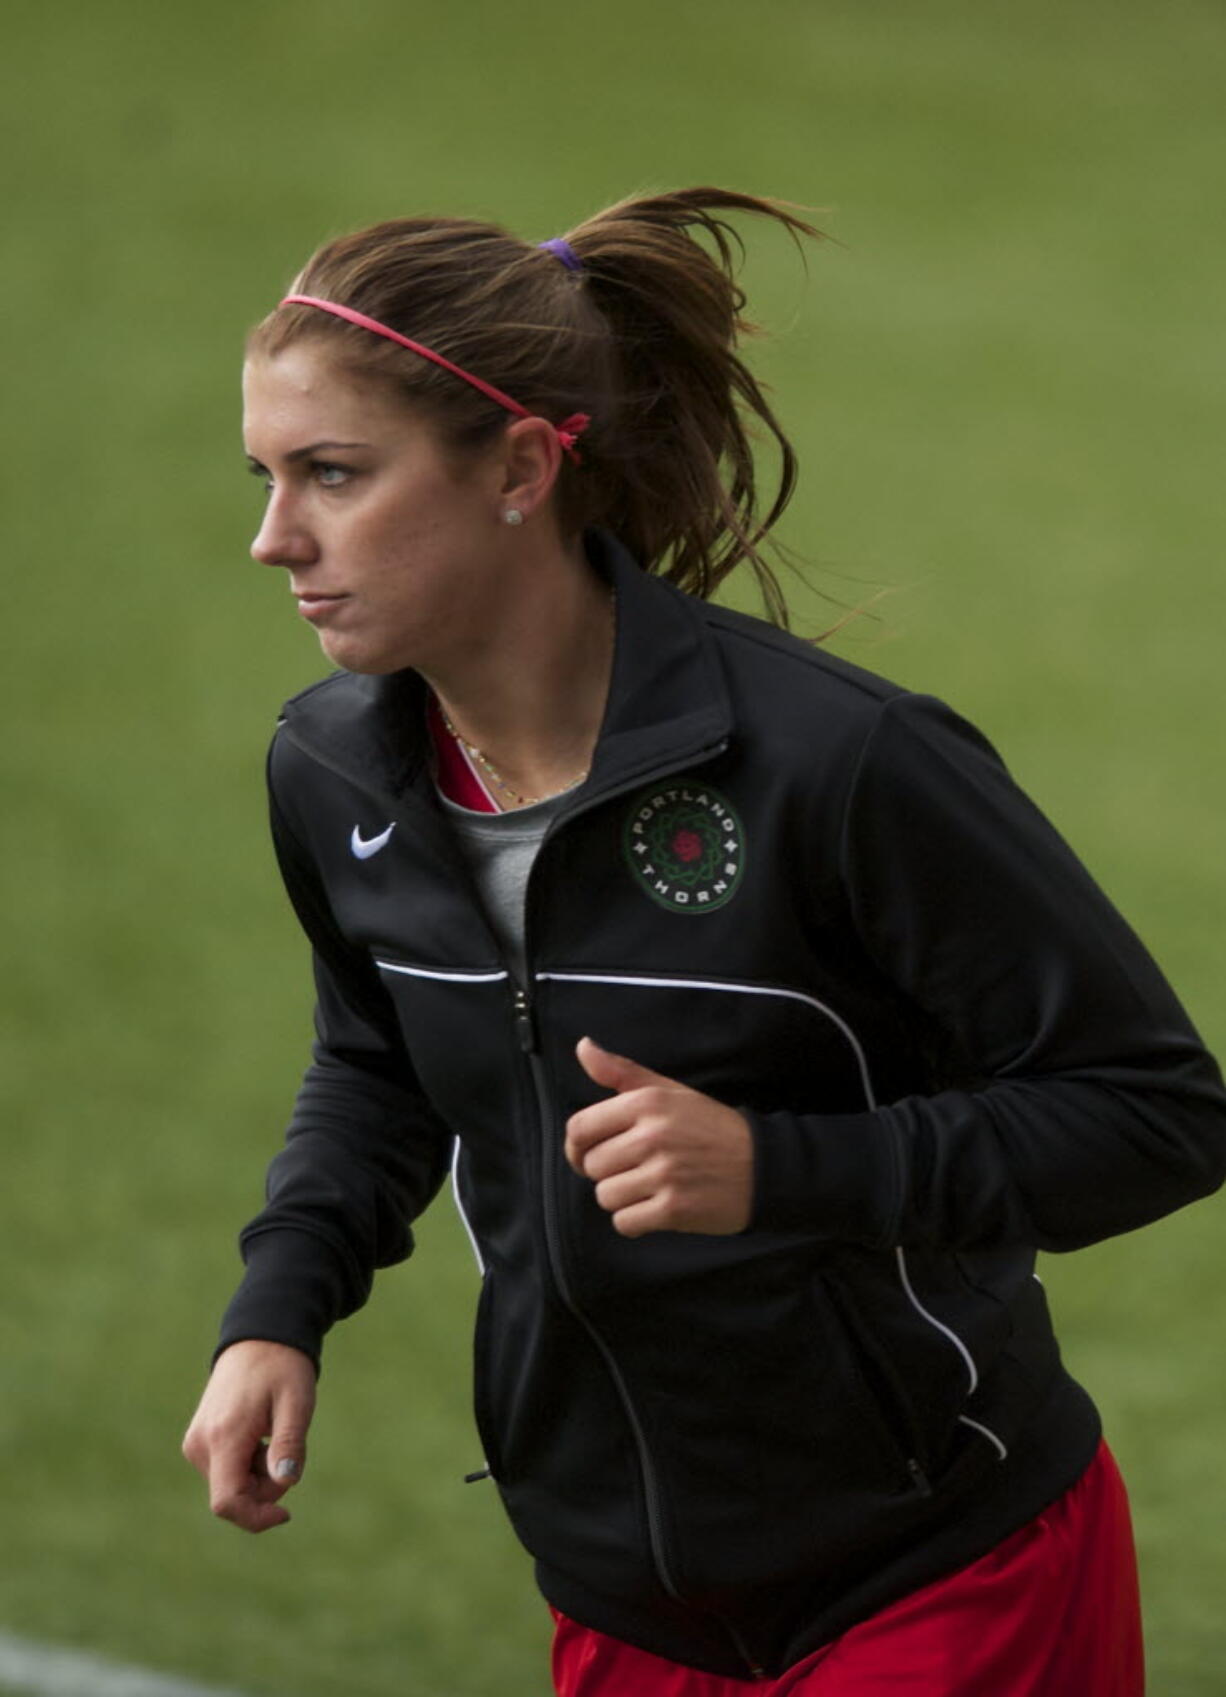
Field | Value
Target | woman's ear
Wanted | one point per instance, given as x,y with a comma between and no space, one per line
532,456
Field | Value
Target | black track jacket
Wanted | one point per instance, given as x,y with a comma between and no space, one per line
817,897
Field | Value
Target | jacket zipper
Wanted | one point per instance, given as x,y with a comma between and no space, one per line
526,1032
525,1027
528,1044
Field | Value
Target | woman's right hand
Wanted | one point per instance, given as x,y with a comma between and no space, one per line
248,1436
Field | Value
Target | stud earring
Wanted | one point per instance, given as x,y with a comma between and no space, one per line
513,516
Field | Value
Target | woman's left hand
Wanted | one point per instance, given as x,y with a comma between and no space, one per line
663,1157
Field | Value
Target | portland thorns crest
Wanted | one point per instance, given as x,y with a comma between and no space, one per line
685,847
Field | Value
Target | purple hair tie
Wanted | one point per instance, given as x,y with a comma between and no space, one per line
561,249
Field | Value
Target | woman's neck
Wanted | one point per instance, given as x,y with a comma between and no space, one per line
530,693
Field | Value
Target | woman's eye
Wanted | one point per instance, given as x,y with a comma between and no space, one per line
330,476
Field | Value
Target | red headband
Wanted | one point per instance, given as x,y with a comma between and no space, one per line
568,432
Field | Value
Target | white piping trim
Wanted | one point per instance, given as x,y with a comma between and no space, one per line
459,1207
933,1321
735,989
447,977
987,1433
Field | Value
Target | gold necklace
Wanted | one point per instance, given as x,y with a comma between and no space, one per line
495,776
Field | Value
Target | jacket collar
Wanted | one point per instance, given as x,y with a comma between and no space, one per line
668,702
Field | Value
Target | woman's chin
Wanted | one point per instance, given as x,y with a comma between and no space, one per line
367,658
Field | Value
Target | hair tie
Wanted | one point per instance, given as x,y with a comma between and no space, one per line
561,249
569,432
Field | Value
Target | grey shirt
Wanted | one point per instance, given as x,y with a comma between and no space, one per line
500,848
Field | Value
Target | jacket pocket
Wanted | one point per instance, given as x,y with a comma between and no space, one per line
875,1388
482,1349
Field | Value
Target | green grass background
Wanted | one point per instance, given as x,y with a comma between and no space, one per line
1006,384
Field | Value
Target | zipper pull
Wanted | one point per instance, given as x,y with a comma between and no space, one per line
478,1476
918,1477
525,1029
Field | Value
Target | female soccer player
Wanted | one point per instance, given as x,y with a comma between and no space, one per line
769,1028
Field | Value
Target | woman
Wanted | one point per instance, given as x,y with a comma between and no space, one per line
773,1028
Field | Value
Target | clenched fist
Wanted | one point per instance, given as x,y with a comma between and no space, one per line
662,1157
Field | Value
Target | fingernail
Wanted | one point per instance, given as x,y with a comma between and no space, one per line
286,1468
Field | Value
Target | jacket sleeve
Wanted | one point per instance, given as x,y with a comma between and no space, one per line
1088,1103
364,1152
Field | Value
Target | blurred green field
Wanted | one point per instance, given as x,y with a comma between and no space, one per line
1006,385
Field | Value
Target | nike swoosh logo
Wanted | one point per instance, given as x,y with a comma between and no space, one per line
364,847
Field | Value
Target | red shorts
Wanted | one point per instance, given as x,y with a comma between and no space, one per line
1053,1611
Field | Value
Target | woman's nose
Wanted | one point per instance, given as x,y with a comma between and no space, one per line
282,540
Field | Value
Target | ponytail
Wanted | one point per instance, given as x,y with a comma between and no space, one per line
638,324
680,470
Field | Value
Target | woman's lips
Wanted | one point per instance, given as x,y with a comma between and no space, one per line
315,607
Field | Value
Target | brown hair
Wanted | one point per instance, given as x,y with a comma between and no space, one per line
645,338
